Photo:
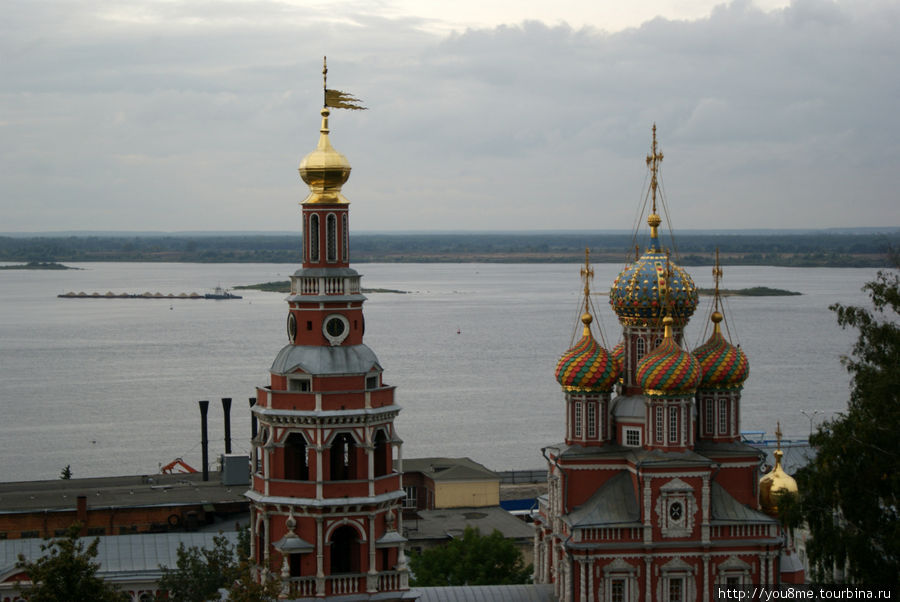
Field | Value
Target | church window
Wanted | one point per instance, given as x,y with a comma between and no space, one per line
723,416
299,384
345,239
578,411
732,581
344,550
633,437
382,455
306,239
639,349
314,238
673,425
343,458
371,382
617,590
708,426
592,419
676,589
331,237
296,458
659,424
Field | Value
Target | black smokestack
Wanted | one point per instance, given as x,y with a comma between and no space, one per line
204,438
252,419
226,407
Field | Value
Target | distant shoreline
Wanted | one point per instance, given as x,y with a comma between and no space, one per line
813,249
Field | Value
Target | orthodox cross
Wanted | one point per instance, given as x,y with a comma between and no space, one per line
653,161
717,275
587,272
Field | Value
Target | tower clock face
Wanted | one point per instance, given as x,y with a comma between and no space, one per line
291,326
336,328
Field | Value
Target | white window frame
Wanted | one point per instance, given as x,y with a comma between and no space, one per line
673,424
578,419
592,420
632,431
723,416
411,500
660,425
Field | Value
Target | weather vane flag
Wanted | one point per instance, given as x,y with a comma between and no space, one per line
335,98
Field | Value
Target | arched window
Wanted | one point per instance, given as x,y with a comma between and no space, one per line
639,349
723,416
343,458
673,425
659,424
592,420
314,238
306,239
708,427
261,544
345,239
296,458
578,411
382,455
344,550
331,238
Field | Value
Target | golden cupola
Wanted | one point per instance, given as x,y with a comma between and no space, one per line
325,170
775,482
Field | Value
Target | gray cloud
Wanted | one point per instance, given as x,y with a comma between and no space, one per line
176,116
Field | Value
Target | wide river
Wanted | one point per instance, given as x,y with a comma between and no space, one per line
110,387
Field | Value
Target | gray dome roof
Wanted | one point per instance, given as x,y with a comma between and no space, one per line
350,359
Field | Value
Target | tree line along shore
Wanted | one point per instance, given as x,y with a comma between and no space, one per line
808,249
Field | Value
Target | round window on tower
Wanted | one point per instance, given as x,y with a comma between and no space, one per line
291,327
336,328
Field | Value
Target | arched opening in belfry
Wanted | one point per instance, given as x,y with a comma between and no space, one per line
343,458
382,455
296,458
344,550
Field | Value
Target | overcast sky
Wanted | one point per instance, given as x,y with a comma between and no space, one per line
193,115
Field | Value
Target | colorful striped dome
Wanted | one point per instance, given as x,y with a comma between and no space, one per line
724,366
587,366
618,354
668,370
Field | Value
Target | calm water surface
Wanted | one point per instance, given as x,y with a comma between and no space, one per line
111,386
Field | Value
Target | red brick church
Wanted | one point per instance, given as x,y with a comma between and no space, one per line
652,495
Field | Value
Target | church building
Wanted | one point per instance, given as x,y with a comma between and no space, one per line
652,494
326,494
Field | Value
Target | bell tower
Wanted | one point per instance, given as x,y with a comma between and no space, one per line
326,489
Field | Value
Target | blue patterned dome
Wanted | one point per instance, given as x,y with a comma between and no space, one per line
639,293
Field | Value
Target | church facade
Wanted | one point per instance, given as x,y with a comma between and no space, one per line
652,495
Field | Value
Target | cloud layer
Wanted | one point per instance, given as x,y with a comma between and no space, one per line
194,116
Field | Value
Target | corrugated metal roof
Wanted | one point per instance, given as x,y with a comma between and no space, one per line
119,554
487,593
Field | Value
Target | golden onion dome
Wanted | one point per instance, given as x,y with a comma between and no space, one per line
325,170
773,483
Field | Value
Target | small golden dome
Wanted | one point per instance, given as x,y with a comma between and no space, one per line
716,317
325,170
653,220
775,482
586,318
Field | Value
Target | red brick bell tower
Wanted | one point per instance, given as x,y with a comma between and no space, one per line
325,497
